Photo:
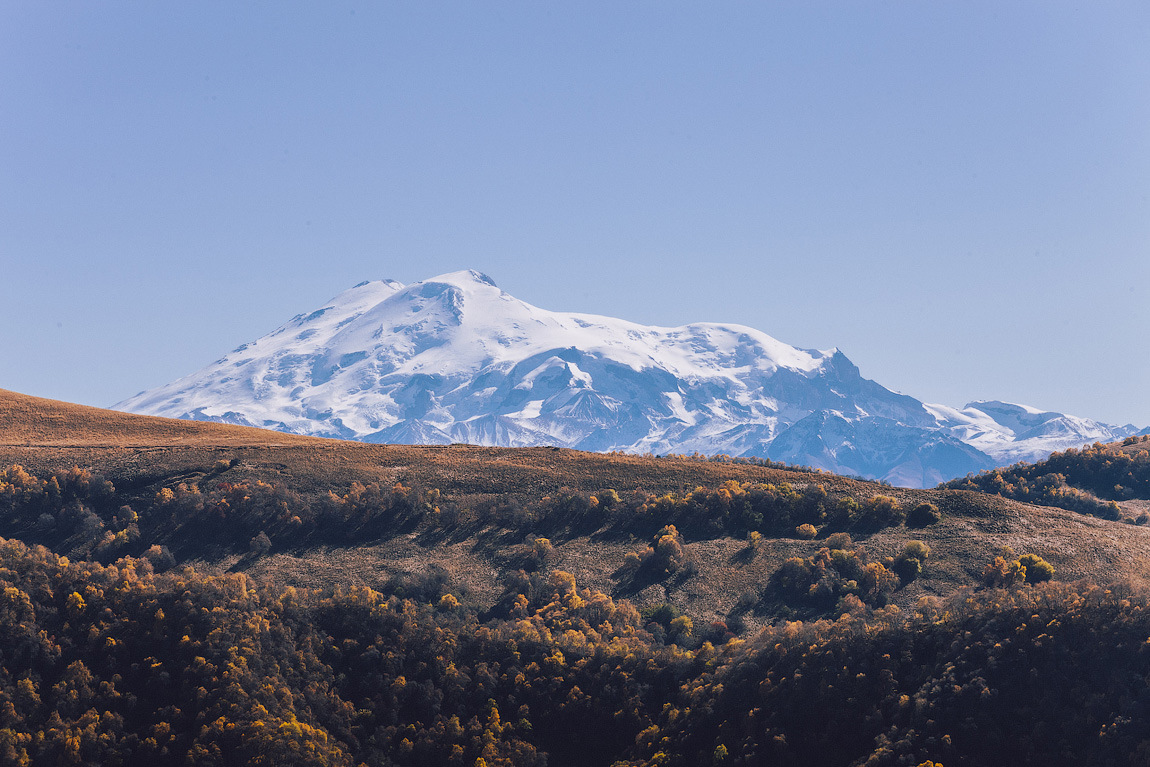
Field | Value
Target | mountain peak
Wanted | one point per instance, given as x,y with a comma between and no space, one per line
455,359
466,278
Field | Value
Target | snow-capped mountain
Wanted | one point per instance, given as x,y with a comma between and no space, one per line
456,359
1009,433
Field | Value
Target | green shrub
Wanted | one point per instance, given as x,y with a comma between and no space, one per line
681,627
908,564
1037,568
839,541
664,614
1028,568
806,531
794,576
922,515
608,499
880,511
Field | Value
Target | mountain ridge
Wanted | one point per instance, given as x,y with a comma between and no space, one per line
456,359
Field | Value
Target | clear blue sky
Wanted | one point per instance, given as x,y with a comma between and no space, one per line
956,194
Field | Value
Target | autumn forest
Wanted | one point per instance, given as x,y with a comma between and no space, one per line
145,618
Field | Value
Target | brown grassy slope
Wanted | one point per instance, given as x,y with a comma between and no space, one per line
148,453
961,546
46,435
34,421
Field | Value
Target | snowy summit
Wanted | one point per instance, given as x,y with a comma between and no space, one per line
456,359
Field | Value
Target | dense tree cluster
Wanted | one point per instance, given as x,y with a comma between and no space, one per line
115,664
1029,568
1055,674
732,508
1089,480
840,574
117,655
82,515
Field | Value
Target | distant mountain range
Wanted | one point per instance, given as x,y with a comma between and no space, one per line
456,359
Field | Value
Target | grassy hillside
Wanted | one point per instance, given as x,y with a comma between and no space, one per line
131,450
1111,481
181,592
301,511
